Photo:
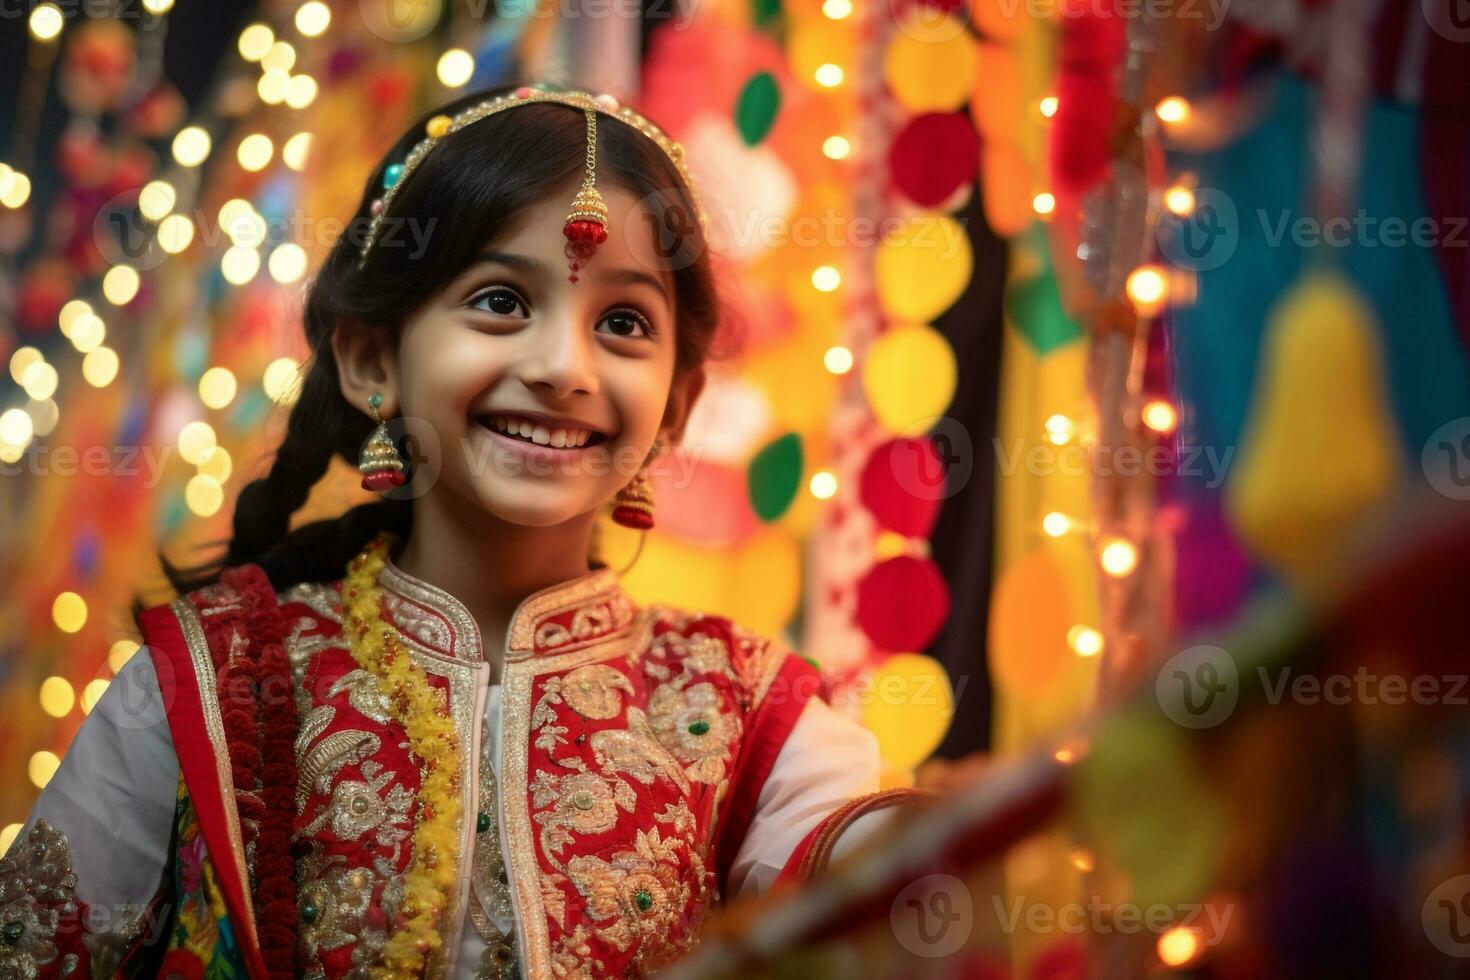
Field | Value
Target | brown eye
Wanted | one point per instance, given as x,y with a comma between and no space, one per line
500,301
628,323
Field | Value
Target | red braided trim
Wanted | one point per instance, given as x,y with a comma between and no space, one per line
255,688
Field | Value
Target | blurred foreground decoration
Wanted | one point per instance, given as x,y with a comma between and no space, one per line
1286,798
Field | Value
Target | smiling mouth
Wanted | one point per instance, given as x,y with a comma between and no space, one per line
536,434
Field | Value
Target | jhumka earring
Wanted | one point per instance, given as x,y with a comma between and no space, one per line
381,466
633,506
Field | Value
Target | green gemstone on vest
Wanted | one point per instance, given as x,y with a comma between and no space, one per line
13,931
482,822
392,175
698,727
310,912
644,900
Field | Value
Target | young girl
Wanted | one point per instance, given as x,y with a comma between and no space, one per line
434,737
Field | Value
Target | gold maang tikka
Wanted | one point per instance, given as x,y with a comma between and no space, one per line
586,225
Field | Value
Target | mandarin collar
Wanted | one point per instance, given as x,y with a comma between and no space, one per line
557,619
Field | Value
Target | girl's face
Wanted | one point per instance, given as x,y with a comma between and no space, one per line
543,395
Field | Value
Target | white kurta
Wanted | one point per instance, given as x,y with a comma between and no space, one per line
113,795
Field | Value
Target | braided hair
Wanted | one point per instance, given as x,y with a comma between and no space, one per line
479,180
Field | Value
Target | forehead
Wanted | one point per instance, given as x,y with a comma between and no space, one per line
632,240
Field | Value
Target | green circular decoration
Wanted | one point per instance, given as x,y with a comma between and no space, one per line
699,727
644,900
775,476
755,110
482,822
309,912
1035,307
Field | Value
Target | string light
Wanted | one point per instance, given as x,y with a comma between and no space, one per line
92,693
838,359
830,75
1049,106
69,612
294,152
157,199
87,332
287,263
24,357
823,484
1044,204
16,189
175,233
313,18
46,22
100,367
826,278
1173,109
70,312
1160,416
1180,200
273,86
1118,557
836,148
16,427
217,463
120,284
1056,524
456,66
1060,429
255,151
1085,641
1179,946
191,146
281,380
158,7
837,9
300,91
255,42
203,494
217,387
280,57
196,439
57,697
120,653
1148,289
42,767
40,381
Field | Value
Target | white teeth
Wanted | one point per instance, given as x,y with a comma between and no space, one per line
540,434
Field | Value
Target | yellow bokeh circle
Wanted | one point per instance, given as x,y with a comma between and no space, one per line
930,64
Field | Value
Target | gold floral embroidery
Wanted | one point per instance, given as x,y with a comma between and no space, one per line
636,751
586,802
364,695
357,807
573,959
637,896
333,903
36,889
347,747
690,719
592,691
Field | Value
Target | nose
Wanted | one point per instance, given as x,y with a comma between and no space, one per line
561,358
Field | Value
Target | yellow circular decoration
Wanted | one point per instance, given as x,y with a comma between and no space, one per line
909,377
923,267
930,64
909,705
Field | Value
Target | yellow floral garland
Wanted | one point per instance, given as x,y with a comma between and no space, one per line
423,712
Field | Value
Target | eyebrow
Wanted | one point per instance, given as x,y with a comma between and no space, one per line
532,266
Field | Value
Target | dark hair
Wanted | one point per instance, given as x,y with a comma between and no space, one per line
477,180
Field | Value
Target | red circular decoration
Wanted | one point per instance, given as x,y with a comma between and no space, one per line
902,483
933,156
902,603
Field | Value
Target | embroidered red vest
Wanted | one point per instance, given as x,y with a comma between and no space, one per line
634,744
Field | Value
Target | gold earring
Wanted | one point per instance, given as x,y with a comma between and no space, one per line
379,462
633,505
